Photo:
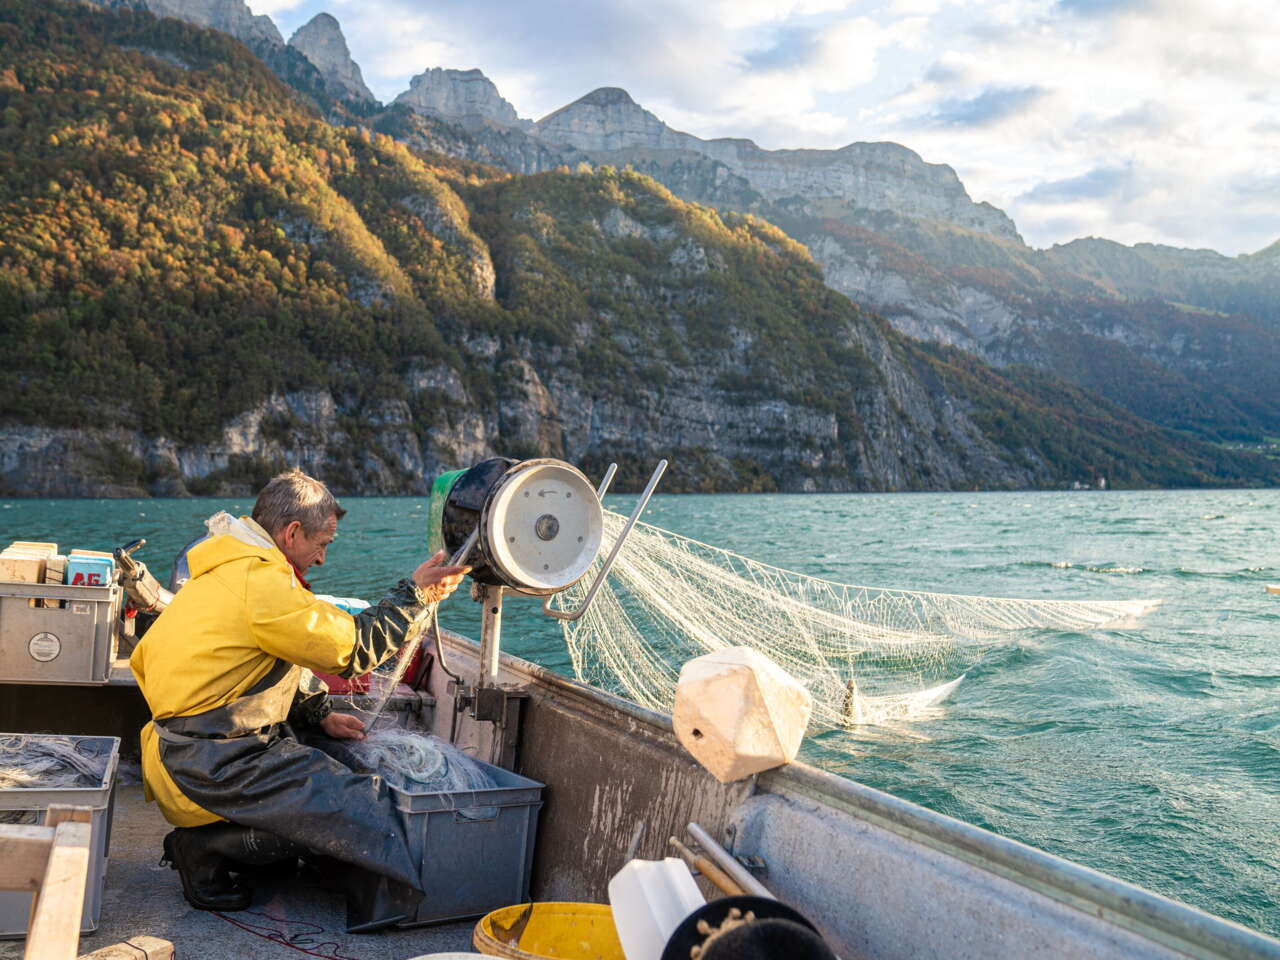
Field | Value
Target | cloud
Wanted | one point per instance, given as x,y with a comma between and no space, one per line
942,73
1037,104
273,8
792,47
986,109
1099,183
1098,8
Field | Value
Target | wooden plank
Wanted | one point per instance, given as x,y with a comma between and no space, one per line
135,948
22,567
55,924
57,813
24,854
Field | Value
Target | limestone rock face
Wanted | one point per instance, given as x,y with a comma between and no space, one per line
464,96
608,119
321,41
229,16
829,183
738,713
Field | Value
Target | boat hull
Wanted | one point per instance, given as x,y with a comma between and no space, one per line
879,876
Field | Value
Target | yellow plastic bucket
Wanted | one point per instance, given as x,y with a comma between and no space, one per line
563,931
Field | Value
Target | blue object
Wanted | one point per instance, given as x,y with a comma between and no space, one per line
351,605
90,571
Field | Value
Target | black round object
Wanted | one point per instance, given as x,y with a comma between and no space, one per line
772,939
686,936
462,509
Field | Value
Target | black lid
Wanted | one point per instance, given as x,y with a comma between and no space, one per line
777,931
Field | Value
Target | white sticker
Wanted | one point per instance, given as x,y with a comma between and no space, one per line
44,647
81,607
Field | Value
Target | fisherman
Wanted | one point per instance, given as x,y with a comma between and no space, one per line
227,673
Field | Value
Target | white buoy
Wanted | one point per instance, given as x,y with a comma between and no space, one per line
738,713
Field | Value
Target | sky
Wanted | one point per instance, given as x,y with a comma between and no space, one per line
1135,120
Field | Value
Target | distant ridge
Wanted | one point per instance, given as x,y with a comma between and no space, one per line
1185,339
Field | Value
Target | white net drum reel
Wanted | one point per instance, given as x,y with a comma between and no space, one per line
541,527
530,528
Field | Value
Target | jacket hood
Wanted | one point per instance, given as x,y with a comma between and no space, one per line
232,538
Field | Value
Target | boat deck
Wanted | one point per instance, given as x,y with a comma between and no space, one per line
288,918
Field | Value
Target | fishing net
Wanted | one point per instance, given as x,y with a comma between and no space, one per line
417,763
867,654
43,762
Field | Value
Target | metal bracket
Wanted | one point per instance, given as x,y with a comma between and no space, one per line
490,704
494,705
756,865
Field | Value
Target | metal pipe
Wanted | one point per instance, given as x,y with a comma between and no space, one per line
725,861
613,554
456,560
604,484
490,635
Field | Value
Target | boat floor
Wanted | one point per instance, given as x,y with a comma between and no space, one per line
288,918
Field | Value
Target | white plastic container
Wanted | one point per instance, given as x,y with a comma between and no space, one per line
649,898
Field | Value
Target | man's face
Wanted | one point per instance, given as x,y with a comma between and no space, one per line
304,549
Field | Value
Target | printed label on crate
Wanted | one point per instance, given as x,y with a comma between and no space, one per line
82,607
92,578
44,647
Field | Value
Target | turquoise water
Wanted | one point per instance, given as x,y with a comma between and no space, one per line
1151,753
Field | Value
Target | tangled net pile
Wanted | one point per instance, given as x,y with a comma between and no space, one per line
416,763
867,654
42,762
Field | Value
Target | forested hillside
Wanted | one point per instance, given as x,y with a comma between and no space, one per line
202,280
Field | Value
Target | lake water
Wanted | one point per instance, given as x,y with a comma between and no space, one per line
1151,753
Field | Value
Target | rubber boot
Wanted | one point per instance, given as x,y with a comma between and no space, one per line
260,855
204,870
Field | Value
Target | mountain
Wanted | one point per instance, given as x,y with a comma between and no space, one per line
867,176
1185,338
320,40
465,96
232,17
315,63
205,280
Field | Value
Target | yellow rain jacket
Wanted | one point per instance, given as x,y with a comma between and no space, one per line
242,609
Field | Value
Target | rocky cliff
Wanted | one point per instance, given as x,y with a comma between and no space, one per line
1194,330
297,291
321,41
232,17
870,176
466,97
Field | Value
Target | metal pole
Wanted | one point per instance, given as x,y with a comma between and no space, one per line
604,484
490,635
722,859
613,554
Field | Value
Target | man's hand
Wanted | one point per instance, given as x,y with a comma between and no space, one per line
343,726
437,582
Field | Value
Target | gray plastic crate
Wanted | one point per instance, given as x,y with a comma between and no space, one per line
73,642
15,906
472,865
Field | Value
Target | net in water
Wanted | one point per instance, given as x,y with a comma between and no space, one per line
867,654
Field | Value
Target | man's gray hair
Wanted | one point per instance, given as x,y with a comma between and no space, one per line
291,496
